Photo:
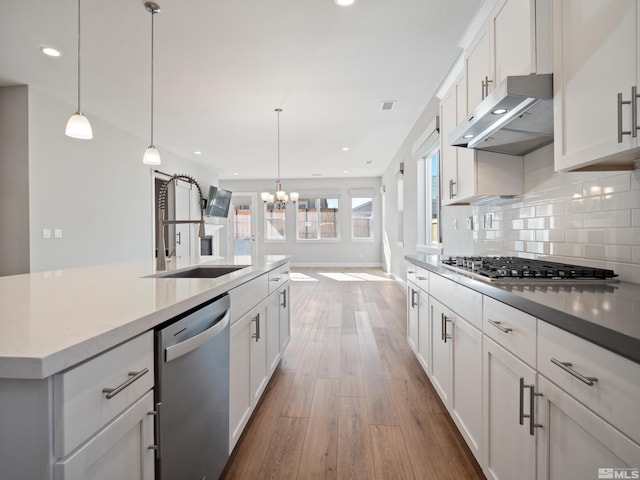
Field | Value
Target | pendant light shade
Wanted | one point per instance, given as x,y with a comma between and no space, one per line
151,154
78,125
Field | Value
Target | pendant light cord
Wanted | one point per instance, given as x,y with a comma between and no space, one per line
152,36
79,57
278,110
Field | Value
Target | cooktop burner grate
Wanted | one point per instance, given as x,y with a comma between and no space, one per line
517,269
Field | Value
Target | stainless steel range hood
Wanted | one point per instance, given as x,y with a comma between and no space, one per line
515,119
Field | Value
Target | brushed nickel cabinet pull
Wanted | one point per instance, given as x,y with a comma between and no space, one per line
133,376
284,299
156,418
451,184
422,278
531,414
485,87
445,335
257,334
566,366
413,298
620,104
634,111
499,326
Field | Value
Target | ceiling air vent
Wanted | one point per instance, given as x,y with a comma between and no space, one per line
388,105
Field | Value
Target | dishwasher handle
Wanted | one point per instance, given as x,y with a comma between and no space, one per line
182,348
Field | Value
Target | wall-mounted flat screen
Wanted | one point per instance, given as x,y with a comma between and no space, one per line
218,202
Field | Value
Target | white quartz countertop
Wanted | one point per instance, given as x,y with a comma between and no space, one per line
53,320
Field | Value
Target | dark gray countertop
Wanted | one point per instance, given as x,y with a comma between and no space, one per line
607,315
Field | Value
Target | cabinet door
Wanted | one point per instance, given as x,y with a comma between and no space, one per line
508,448
121,450
478,71
285,318
466,382
258,368
576,443
239,378
448,153
591,40
273,331
413,305
513,32
439,317
424,335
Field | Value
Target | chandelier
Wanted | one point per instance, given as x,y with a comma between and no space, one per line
280,199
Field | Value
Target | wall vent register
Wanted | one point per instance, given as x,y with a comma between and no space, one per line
516,269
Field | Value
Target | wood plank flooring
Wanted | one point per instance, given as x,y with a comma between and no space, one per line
349,400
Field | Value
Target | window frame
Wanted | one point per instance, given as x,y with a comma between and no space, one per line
266,225
371,218
320,239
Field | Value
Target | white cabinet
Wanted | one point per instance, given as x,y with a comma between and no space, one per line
469,174
424,332
596,58
260,331
121,450
509,448
412,316
479,74
248,368
456,371
576,443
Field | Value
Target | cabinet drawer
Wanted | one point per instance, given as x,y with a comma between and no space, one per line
246,296
81,408
465,302
511,328
411,273
614,396
278,277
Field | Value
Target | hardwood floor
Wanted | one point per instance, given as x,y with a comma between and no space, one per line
349,400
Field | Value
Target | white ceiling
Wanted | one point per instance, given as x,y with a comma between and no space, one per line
223,66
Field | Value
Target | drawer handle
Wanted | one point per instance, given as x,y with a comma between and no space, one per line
134,376
277,279
422,278
499,326
566,366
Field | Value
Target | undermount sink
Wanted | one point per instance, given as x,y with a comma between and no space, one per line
200,272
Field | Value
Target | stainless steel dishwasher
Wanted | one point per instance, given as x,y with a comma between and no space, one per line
192,393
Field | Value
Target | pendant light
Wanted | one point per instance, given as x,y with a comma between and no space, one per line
78,125
280,199
151,154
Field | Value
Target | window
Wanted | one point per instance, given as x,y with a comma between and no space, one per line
275,223
428,179
242,229
317,219
362,218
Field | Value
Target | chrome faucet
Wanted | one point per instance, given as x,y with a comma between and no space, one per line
161,261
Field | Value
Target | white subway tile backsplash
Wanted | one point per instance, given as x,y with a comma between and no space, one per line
591,218
615,218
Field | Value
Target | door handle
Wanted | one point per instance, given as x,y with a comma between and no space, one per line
186,346
179,240
257,334
530,415
621,132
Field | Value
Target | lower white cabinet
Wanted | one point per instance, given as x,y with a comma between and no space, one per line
575,443
509,448
121,450
456,371
285,317
273,331
247,368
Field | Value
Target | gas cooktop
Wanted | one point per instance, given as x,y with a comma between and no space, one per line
516,269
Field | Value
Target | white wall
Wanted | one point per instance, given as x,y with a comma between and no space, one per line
344,252
98,192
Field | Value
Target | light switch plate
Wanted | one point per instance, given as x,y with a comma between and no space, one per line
57,233
46,233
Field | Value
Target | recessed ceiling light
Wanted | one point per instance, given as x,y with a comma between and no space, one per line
197,152
344,3
345,149
345,171
236,174
499,111
468,135
50,51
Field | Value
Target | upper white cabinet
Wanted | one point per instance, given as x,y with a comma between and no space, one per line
512,41
596,66
469,174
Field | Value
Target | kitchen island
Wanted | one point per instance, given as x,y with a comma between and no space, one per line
77,359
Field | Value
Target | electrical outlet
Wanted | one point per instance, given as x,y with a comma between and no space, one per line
488,221
46,233
57,233
455,224
470,223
